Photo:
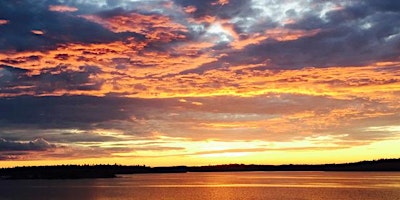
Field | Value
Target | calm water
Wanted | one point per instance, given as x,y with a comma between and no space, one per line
238,185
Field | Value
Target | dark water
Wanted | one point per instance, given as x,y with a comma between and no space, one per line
238,185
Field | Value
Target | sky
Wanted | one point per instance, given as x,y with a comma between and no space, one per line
189,82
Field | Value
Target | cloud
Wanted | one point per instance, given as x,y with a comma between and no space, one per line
38,144
222,9
62,8
3,22
392,6
8,74
24,17
347,35
51,80
102,119
253,150
107,78
58,112
38,32
154,27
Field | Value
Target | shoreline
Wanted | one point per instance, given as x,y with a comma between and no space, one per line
111,171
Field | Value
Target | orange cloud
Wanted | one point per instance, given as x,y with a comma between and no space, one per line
38,32
190,9
125,67
208,19
279,34
62,8
129,70
3,21
220,2
154,27
240,41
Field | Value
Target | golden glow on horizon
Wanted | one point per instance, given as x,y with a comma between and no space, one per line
375,150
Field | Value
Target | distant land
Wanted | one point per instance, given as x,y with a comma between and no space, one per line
111,171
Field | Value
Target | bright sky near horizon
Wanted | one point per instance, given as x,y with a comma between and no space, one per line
189,82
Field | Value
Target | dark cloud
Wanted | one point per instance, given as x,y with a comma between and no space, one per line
242,10
39,144
386,5
348,37
8,75
23,59
57,112
58,28
12,155
48,81
110,112
61,77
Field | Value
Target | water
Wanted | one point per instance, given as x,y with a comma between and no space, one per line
212,185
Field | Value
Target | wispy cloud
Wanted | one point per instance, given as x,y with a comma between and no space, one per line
62,8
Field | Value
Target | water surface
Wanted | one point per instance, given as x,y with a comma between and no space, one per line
215,185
